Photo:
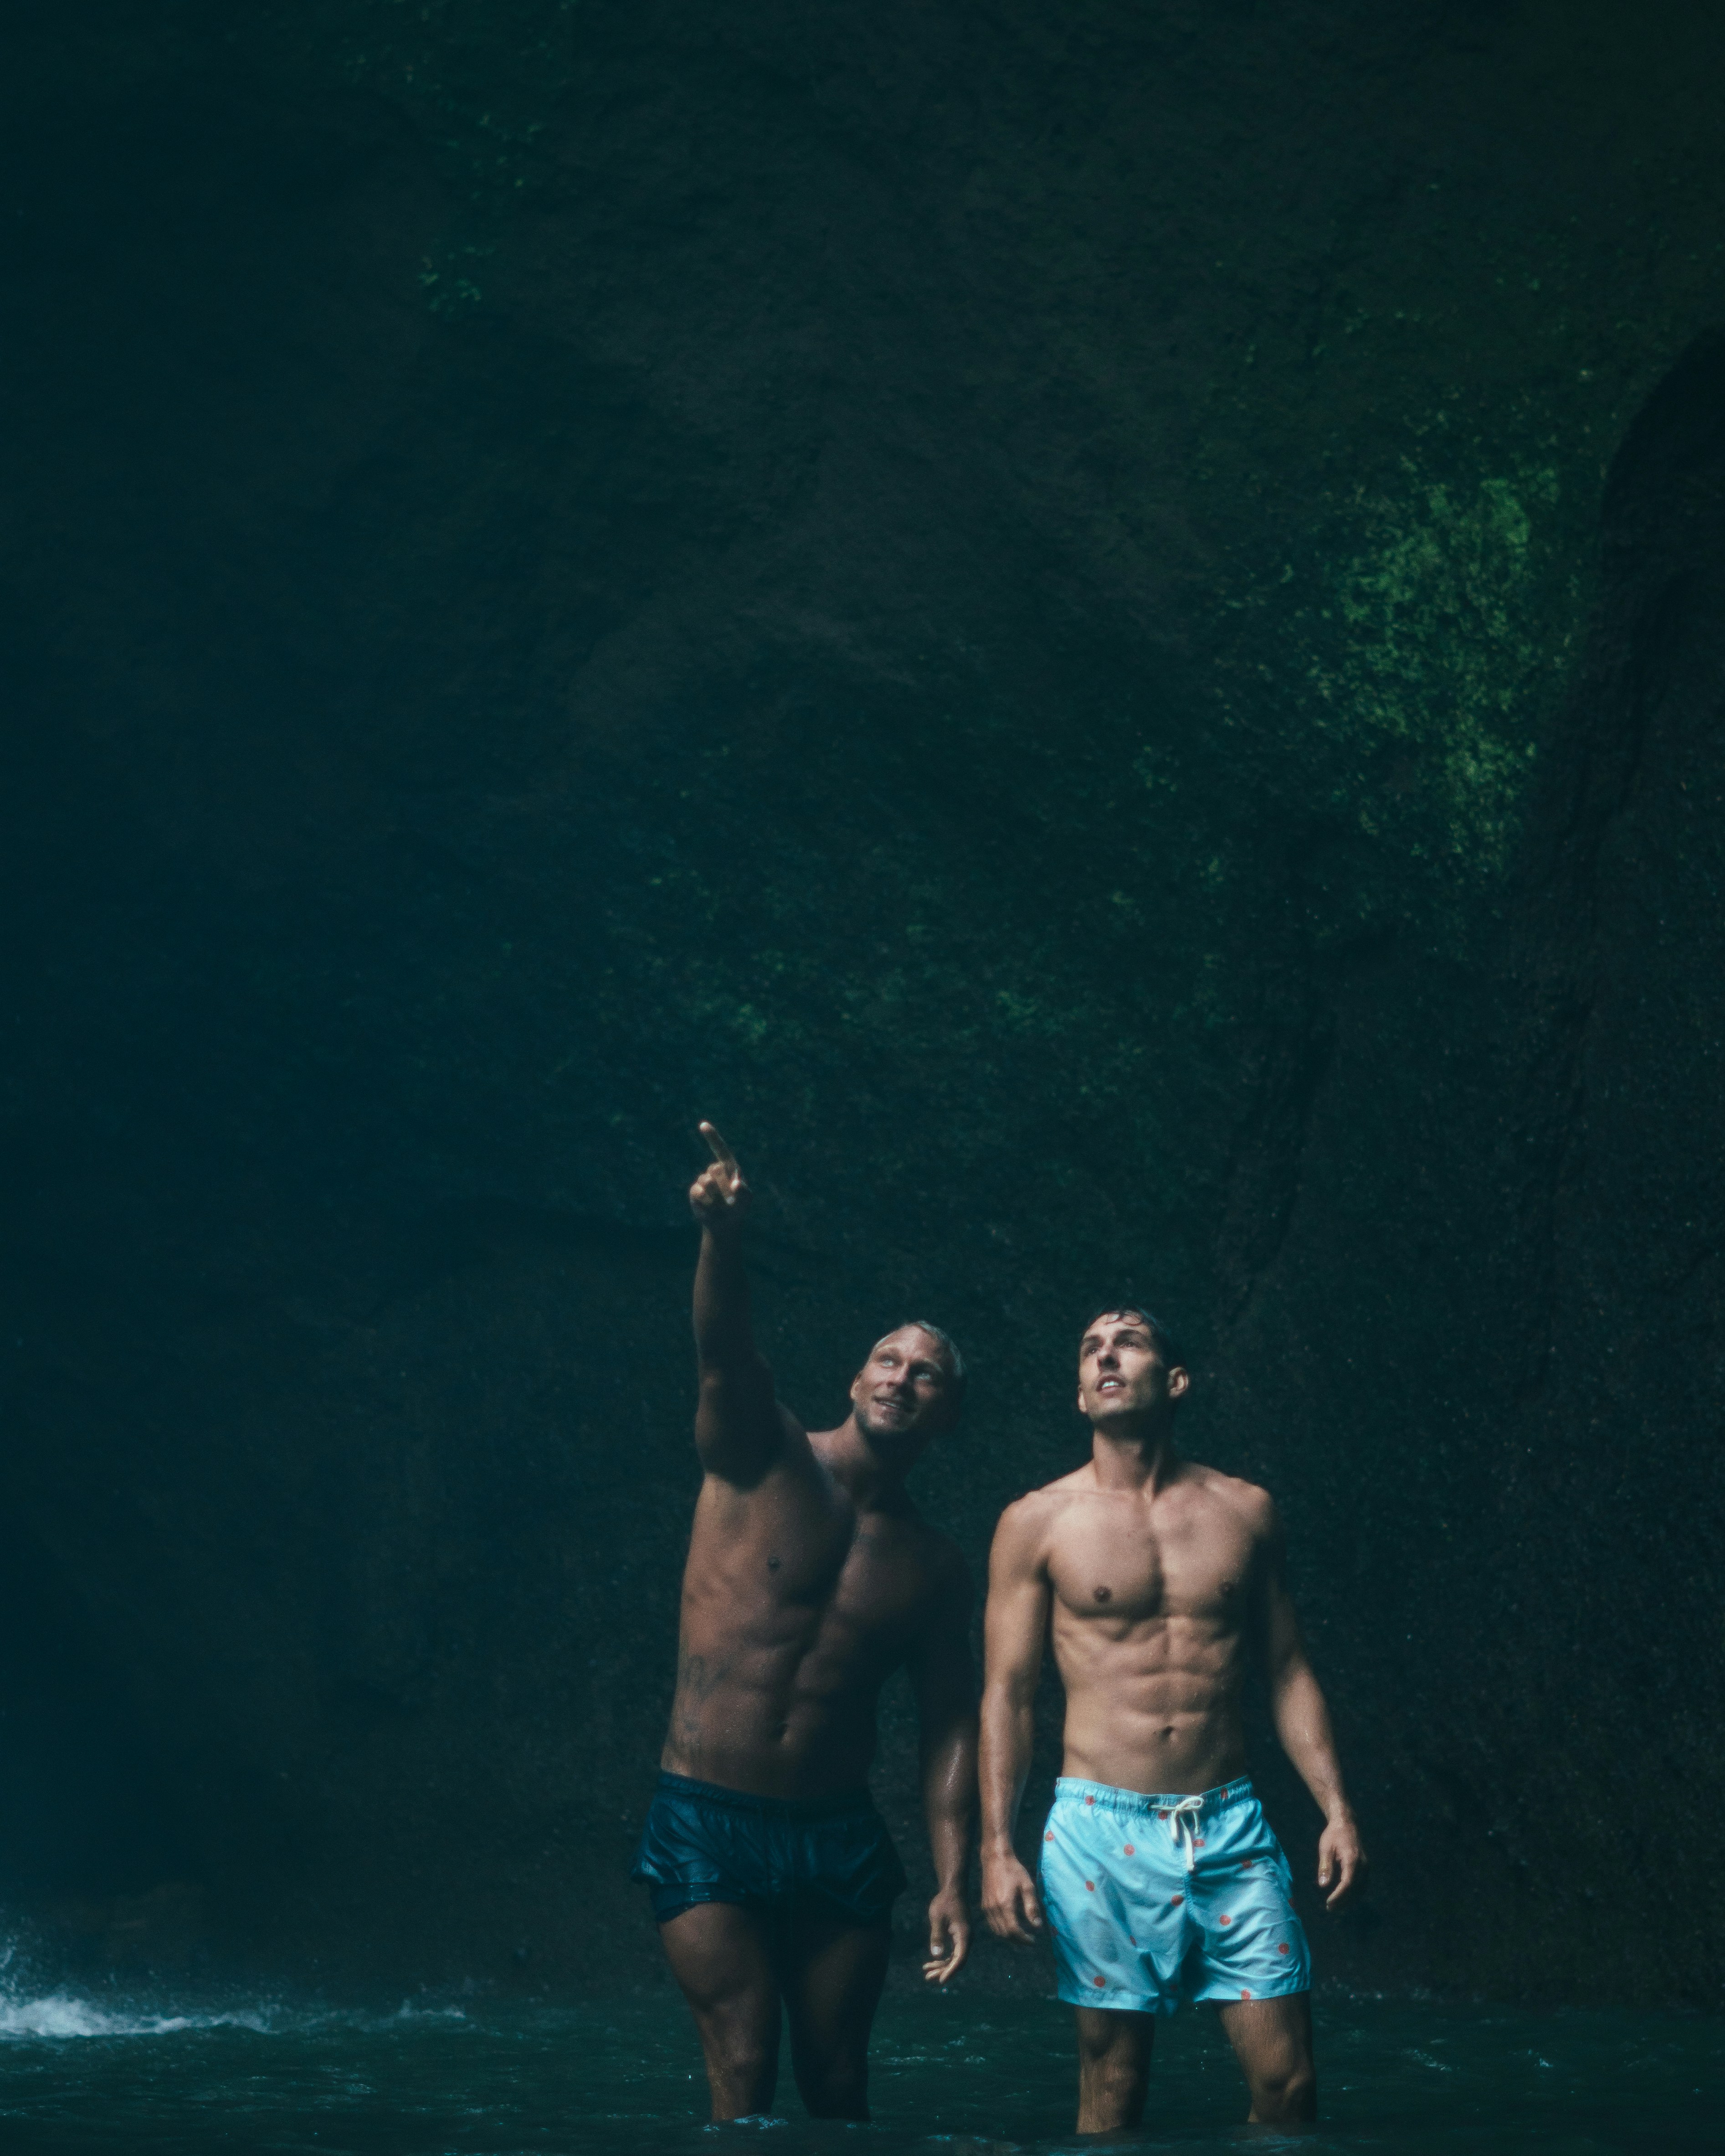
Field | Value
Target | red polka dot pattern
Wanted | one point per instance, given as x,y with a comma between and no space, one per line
1133,1890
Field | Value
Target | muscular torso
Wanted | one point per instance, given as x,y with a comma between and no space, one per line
1155,1603
797,1606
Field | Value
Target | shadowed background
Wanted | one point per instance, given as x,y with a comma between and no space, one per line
1101,630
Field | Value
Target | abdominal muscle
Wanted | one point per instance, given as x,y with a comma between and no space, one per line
776,1709
1152,1707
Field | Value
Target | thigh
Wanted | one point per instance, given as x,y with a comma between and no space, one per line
1272,2041
832,1975
722,1956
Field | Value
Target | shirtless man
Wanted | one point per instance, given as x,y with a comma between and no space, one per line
810,1578
1161,1879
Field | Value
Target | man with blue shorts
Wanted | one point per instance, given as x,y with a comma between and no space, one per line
1160,1582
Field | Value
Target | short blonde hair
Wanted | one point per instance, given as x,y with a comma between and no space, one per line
955,1368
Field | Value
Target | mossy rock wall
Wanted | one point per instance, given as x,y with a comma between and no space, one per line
1099,630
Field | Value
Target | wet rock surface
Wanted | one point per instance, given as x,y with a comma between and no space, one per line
1027,612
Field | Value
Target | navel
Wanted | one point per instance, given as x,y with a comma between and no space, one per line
772,1565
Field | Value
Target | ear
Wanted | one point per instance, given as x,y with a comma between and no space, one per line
1179,1380
856,1386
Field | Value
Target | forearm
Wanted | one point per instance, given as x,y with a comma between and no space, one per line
1008,1733
1302,1724
723,1336
949,1799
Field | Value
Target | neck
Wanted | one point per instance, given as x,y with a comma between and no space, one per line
858,1469
1139,1457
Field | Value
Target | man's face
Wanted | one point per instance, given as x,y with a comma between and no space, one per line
903,1395
1121,1376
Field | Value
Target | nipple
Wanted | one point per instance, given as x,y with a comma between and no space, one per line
1104,1594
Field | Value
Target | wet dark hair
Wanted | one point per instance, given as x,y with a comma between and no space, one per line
1167,1348
955,1368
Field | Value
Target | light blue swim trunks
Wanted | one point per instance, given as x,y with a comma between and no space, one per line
1154,1900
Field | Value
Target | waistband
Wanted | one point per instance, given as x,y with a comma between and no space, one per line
1106,1797
744,1800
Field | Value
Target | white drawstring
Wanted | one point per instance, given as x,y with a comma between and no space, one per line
1180,1818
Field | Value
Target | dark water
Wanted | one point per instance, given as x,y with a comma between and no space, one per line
958,2076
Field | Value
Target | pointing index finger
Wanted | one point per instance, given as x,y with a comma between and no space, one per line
719,1150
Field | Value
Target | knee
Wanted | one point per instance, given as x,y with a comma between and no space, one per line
1102,2045
745,2060
1111,2054
747,2067
1117,2073
1113,2079
1288,2097
1118,2068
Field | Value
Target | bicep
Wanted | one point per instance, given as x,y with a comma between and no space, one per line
741,1430
1278,1641
1016,1621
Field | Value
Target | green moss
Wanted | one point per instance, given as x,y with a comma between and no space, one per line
1444,638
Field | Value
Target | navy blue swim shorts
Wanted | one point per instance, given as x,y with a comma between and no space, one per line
831,1857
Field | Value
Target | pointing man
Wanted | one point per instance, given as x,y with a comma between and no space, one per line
810,1578
1160,1581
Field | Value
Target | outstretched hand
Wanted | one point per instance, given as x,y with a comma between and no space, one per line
1341,1862
718,1194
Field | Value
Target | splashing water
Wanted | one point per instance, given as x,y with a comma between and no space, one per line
59,2015
79,2076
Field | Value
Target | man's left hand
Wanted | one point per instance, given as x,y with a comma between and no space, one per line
1341,1862
948,1935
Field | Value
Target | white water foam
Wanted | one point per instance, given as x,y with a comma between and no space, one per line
60,2014
56,2016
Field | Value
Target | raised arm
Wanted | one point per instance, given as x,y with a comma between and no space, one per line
739,1426
1302,1722
943,1678
1014,1627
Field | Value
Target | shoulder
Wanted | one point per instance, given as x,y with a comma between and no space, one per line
1027,1522
1253,1507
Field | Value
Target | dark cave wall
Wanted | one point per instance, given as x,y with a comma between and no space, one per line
1024,611
1489,1349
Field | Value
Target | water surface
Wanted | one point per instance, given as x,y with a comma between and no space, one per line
952,2077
